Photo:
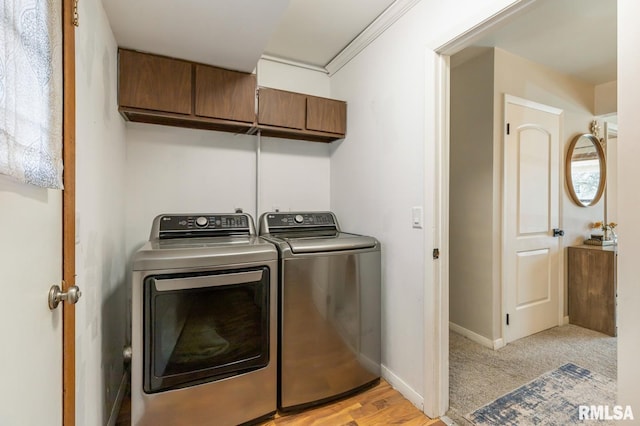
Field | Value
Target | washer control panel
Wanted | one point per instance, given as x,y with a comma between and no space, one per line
197,225
292,220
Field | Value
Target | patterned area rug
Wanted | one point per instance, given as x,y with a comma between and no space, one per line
551,399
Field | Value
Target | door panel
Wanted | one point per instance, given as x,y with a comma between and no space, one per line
154,82
533,278
531,254
533,191
30,261
224,94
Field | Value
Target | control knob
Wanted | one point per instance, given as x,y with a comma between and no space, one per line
299,218
202,221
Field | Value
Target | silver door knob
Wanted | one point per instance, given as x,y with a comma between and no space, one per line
56,295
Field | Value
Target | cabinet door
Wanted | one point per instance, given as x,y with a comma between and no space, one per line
154,82
326,115
592,293
224,94
280,108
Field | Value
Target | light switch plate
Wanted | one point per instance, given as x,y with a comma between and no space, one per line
416,217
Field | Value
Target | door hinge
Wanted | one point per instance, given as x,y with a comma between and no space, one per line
75,19
508,128
507,319
436,253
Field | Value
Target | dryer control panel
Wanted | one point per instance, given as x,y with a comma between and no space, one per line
201,225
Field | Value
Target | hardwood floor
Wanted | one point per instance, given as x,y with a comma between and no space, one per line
380,405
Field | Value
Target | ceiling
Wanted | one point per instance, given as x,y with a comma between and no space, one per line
235,34
576,37
227,33
314,32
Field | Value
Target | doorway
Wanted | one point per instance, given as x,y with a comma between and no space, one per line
575,220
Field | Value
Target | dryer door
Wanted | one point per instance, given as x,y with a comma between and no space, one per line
201,327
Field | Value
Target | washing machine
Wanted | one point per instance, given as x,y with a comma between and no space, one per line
329,308
204,326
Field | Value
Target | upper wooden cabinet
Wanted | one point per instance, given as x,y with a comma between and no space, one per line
326,115
160,90
154,82
281,108
225,94
297,116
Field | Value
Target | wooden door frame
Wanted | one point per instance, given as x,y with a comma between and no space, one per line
68,213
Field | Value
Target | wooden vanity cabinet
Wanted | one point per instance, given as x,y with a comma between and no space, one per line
225,94
592,287
154,83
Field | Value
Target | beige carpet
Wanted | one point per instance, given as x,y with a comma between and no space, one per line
478,375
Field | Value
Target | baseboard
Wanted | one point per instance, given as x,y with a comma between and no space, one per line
401,386
447,421
122,391
565,320
475,337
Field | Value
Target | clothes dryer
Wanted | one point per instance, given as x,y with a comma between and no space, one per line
204,327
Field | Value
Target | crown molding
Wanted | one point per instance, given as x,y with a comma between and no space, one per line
373,31
292,63
477,31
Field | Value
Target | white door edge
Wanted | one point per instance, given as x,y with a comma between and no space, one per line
436,300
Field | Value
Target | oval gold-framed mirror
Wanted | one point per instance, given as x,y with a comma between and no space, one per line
586,170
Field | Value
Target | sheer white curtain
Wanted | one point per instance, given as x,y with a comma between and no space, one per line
31,91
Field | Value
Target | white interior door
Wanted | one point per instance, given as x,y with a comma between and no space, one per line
531,280
30,262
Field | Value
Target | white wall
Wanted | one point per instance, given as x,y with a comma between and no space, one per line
628,205
100,251
471,186
175,170
606,101
294,175
292,78
379,171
